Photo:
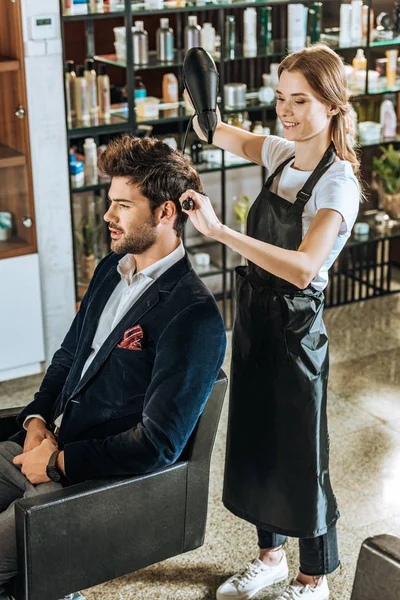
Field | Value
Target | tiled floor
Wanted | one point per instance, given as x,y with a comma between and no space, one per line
364,413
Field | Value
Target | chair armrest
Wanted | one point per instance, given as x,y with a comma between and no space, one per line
8,422
117,521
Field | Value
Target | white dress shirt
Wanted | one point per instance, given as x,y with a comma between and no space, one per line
124,296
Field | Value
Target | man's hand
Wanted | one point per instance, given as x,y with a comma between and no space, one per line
34,463
36,433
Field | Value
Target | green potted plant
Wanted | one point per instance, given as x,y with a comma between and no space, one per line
87,235
241,208
387,169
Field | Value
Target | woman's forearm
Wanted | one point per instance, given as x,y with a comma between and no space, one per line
291,265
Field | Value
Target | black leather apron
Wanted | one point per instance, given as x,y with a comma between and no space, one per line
276,473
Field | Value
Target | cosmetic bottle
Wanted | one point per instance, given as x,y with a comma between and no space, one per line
140,39
230,37
265,28
266,93
103,91
359,70
315,17
296,27
356,21
217,47
140,90
391,67
70,77
81,97
96,6
170,93
192,33
207,37
388,119
90,151
250,32
365,23
91,81
345,25
165,41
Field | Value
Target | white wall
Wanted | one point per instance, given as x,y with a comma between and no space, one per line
44,81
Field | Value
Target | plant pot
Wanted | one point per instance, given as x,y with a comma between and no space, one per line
391,205
88,265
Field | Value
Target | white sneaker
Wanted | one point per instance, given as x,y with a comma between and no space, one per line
305,592
255,576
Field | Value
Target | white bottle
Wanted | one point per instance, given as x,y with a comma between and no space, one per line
250,32
90,151
296,27
266,93
388,119
345,25
356,21
207,37
103,92
81,97
91,81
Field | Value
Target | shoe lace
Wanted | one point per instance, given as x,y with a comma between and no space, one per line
292,593
250,571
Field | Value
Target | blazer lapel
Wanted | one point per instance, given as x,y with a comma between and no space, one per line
145,303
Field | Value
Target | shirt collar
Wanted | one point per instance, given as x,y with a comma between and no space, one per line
127,265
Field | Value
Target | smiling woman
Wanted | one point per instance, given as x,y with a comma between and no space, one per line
277,461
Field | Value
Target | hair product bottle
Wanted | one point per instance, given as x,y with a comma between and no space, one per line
315,17
91,81
140,90
207,37
265,28
250,32
90,151
345,25
103,92
359,70
356,21
165,41
81,96
391,67
192,33
296,27
230,36
140,40
170,93
70,77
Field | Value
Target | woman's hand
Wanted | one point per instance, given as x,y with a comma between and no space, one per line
203,215
196,125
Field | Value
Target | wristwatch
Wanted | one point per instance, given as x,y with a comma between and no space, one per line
53,472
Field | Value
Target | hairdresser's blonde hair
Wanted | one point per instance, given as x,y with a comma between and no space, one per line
325,73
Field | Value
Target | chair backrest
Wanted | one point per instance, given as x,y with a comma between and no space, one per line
198,454
378,569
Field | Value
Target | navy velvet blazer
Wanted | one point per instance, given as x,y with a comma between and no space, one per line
133,410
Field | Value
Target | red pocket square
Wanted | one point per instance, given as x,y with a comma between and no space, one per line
133,339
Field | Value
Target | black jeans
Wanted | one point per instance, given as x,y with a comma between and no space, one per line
318,556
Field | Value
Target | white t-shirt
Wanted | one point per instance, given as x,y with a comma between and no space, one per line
337,189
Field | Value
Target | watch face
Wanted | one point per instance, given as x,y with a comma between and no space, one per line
53,474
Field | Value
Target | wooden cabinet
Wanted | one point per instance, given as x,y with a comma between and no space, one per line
16,190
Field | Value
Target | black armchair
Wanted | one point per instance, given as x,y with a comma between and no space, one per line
93,532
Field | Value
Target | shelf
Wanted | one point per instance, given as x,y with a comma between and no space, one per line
154,63
383,43
82,12
8,64
383,142
15,247
116,124
10,158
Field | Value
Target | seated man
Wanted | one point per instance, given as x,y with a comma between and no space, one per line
125,390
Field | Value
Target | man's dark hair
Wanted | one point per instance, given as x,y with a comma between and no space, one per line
161,173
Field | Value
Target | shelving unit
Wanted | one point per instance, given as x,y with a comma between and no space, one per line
16,196
241,68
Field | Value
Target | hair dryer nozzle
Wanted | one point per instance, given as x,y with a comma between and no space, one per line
200,77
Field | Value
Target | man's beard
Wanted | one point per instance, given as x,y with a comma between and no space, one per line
137,241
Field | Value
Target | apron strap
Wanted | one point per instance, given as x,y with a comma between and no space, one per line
277,171
326,161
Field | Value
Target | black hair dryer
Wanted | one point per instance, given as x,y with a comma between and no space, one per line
200,78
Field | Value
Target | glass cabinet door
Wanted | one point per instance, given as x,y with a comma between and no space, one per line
17,227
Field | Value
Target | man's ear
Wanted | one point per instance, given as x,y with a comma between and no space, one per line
168,211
